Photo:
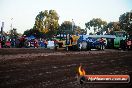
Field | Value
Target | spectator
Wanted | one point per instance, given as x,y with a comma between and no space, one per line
0,43
123,44
13,43
80,46
45,43
101,40
129,43
35,43
8,44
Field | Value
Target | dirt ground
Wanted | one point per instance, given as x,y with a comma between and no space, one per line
43,68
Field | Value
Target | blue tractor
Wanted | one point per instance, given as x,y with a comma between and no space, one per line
87,43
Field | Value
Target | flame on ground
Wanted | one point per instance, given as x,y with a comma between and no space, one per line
81,71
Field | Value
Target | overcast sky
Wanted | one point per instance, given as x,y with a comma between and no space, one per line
24,12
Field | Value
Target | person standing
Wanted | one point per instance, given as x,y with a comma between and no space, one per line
8,44
35,43
123,44
80,46
129,43
0,43
45,43
101,40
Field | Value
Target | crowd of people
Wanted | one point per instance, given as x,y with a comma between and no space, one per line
36,43
23,43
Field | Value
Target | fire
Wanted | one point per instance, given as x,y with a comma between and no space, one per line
81,71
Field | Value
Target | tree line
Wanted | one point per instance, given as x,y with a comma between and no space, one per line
46,25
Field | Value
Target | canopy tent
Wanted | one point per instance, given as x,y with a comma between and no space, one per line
30,37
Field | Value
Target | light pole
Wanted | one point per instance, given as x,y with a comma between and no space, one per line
11,22
2,28
72,24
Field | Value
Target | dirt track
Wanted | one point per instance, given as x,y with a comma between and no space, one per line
40,68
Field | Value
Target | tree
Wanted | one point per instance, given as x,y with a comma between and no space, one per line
34,32
78,30
111,27
90,33
97,24
47,22
125,21
13,33
68,28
